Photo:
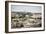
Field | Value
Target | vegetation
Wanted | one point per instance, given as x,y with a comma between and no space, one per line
21,18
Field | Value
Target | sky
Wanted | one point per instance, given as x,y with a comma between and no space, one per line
26,8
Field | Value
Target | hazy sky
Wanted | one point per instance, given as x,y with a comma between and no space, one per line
26,8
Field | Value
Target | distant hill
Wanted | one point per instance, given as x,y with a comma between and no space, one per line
37,13
23,13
